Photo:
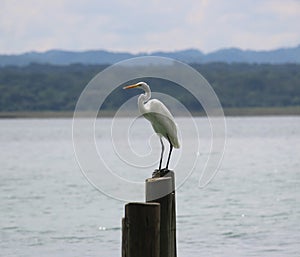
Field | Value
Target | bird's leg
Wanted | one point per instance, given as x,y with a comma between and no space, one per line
162,153
171,148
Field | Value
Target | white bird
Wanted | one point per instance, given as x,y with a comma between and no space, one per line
160,117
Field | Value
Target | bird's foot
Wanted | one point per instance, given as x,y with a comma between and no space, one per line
155,174
160,173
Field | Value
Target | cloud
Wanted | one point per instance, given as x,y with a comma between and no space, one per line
136,26
253,24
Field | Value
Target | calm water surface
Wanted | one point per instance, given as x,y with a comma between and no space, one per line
251,208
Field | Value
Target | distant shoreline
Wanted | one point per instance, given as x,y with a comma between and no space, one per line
254,111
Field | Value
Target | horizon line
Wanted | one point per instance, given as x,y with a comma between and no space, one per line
147,52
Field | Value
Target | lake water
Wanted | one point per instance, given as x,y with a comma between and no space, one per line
250,208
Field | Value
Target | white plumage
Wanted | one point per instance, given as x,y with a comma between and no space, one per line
160,117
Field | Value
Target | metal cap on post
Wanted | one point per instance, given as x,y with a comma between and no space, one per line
158,187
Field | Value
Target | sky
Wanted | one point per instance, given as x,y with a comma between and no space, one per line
146,26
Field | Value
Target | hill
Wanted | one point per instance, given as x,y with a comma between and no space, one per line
230,55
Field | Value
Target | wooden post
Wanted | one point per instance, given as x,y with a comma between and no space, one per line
141,230
124,239
161,189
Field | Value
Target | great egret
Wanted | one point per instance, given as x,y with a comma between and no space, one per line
160,117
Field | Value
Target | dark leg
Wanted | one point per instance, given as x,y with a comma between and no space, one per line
171,148
162,153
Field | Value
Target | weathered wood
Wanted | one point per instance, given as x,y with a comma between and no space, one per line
142,232
124,239
161,189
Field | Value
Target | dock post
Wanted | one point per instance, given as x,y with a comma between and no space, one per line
141,230
161,189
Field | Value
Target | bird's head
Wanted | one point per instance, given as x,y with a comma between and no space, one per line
142,85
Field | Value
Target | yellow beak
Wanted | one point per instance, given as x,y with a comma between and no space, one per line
131,86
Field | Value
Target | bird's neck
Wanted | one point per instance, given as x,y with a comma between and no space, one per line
143,98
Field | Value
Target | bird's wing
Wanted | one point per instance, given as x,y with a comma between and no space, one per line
158,107
162,120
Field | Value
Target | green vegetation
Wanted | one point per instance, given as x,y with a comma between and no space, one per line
56,88
264,85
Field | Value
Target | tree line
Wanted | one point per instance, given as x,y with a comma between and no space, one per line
38,87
